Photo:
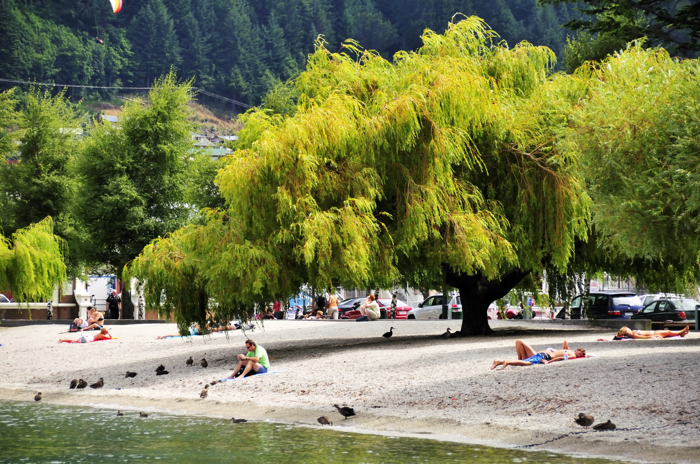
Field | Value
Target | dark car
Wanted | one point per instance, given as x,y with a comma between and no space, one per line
669,309
606,305
349,305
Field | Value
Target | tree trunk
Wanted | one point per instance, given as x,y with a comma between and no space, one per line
477,293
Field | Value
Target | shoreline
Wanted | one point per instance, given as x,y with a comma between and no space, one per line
414,383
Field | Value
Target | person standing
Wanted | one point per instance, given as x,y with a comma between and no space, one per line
394,302
113,303
333,306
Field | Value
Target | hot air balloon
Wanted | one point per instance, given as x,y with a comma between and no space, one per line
116,5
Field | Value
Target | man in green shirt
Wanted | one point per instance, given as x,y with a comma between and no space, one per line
255,361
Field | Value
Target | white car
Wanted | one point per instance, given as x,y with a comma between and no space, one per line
431,308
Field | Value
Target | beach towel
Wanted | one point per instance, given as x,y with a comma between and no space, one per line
252,376
100,340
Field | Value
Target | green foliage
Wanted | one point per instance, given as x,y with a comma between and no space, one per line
638,138
230,46
201,191
587,48
131,177
31,262
40,184
673,25
443,159
8,119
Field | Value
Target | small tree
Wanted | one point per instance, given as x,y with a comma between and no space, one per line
40,183
131,186
32,262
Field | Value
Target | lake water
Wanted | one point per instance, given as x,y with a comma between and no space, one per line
44,433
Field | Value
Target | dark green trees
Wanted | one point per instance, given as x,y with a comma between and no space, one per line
131,182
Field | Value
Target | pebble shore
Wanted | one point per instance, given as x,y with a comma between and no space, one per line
414,383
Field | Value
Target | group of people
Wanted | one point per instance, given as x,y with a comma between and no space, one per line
528,357
94,321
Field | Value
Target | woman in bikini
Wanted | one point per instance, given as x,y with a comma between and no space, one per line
647,334
527,356
95,319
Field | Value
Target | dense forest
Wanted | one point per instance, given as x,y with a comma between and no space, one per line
236,48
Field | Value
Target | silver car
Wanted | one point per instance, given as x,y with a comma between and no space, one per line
431,308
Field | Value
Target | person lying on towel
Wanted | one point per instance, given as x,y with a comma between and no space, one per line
86,338
527,356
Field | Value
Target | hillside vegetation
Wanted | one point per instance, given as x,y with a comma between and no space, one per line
236,48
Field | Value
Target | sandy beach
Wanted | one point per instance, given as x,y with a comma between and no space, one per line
414,383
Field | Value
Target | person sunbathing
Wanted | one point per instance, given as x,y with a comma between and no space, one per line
527,356
625,332
85,338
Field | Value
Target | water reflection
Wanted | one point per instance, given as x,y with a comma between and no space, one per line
32,432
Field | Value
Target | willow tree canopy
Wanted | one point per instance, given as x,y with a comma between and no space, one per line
442,160
32,262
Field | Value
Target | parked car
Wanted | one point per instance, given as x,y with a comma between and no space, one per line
402,308
648,298
669,309
4,299
606,305
431,308
349,304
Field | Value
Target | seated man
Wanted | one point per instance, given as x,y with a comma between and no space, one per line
251,363
527,356
647,334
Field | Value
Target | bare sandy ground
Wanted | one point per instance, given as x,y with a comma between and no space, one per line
414,383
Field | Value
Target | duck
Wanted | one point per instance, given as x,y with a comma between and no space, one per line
130,374
584,420
323,420
119,413
204,363
446,334
237,421
604,426
73,383
204,393
81,384
99,384
345,411
143,414
37,397
162,372
389,333
160,368
189,361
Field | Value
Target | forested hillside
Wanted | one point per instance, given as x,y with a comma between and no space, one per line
235,48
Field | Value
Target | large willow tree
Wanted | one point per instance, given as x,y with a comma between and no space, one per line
32,262
638,137
437,167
